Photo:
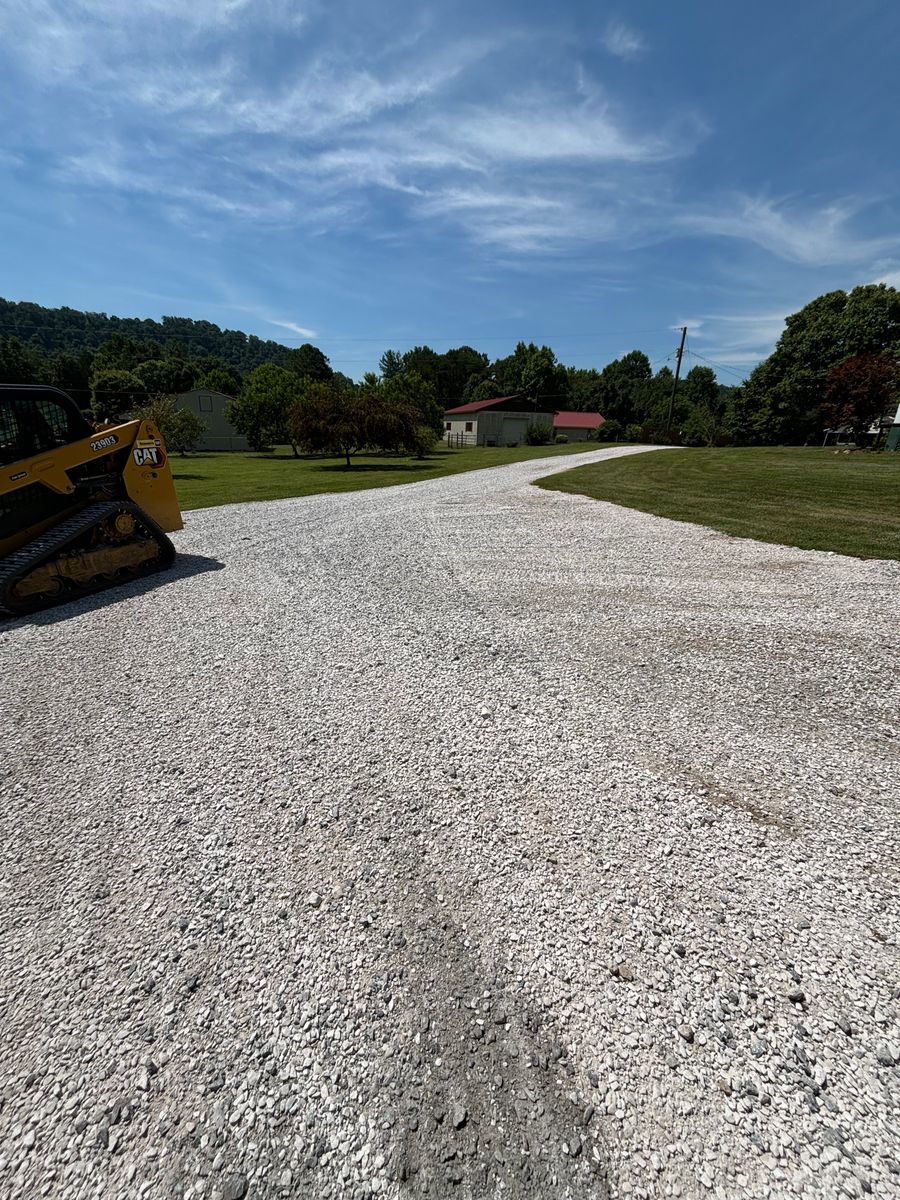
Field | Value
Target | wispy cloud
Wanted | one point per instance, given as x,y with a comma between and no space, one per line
300,330
295,131
810,237
735,340
623,41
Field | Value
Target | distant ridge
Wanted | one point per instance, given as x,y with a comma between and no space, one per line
72,330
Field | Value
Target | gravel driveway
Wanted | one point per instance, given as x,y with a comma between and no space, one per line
458,839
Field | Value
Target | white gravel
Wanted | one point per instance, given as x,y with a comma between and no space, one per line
459,839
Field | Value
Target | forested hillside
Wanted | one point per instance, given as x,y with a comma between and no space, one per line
67,330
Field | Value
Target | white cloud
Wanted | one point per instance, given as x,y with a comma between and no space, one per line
622,41
542,129
233,111
811,238
734,340
300,330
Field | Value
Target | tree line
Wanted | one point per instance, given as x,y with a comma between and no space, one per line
70,332
835,364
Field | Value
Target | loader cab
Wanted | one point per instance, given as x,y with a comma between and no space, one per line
35,419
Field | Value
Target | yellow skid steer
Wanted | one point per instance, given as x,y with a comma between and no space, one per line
81,509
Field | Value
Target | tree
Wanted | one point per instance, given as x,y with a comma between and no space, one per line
391,363
585,390
115,393
410,391
487,389
456,368
166,376
326,420
860,390
220,379
20,363
309,362
72,372
181,428
343,383
425,362
706,403
783,396
122,353
542,379
623,391
262,411
379,415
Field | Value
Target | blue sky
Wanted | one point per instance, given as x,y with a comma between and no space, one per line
366,175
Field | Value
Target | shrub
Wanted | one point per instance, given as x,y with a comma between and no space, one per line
609,431
538,434
561,439
181,428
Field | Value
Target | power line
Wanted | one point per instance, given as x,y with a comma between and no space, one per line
720,366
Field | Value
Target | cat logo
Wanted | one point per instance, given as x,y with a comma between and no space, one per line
149,456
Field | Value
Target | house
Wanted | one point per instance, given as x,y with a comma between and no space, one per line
893,432
577,426
888,425
502,421
210,408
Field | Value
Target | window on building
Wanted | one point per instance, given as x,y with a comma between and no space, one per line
206,402
449,424
468,426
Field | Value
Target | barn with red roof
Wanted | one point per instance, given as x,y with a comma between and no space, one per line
577,426
504,421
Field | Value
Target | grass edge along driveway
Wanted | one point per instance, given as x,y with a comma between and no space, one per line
208,480
805,497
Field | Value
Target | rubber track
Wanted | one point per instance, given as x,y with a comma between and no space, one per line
56,539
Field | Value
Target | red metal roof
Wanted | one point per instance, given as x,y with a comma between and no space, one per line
577,420
478,405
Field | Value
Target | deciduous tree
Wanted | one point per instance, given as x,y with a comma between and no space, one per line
860,391
115,393
181,428
309,362
262,411
783,396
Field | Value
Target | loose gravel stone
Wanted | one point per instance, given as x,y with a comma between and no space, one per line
563,779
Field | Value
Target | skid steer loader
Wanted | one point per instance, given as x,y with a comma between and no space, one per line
81,509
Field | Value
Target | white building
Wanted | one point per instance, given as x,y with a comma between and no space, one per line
502,421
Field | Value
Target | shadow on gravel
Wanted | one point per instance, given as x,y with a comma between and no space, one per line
475,1092
485,1097
184,567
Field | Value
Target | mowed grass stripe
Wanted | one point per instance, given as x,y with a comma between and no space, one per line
205,480
811,498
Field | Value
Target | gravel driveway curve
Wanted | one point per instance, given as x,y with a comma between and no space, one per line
457,839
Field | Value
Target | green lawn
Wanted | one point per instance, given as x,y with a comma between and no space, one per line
815,499
204,480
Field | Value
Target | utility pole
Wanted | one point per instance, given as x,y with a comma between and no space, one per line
677,373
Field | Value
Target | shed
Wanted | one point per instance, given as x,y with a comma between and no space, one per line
219,434
577,426
502,421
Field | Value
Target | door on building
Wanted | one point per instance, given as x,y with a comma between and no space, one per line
513,429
